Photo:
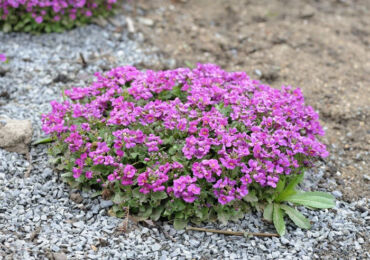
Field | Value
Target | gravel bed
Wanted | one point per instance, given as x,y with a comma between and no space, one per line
42,218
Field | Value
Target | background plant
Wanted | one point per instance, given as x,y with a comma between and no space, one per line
3,57
188,144
50,15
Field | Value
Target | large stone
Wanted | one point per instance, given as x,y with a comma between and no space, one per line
15,135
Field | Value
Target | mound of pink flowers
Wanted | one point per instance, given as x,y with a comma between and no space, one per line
2,57
23,14
200,138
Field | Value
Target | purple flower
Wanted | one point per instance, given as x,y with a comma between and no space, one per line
228,130
89,174
184,188
2,57
38,19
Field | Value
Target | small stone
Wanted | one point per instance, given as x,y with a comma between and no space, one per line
307,12
130,25
144,230
284,240
78,224
59,256
156,247
76,197
187,254
258,72
15,135
55,248
146,21
262,247
337,194
176,252
47,172
95,209
194,243
106,203
357,246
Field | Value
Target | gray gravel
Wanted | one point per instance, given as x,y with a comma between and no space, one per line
41,217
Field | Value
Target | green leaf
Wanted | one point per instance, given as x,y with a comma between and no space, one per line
102,168
317,199
223,217
202,213
290,188
297,217
156,214
178,205
118,198
7,28
267,213
145,213
134,155
280,186
139,195
159,195
278,219
189,64
250,197
96,194
236,215
43,141
169,140
179,223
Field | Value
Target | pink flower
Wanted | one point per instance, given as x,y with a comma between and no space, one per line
89,174
2,57
185,131
204,132
38,19
184,188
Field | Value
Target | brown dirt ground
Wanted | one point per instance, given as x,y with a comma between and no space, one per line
323,47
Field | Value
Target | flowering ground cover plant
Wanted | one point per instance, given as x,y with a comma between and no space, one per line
3,57
189,144
50,15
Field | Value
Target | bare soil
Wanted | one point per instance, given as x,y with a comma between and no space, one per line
323,47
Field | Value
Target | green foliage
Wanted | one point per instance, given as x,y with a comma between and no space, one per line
19,20
275,210
278,219
156,204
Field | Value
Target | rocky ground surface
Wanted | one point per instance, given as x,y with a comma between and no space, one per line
42,218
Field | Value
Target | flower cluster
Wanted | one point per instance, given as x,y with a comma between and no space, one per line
184,188
2,57
50,11
200,135
153,180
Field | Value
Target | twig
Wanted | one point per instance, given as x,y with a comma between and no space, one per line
84,63
35,233
29,169
168,236
125,222
124,227
232,233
